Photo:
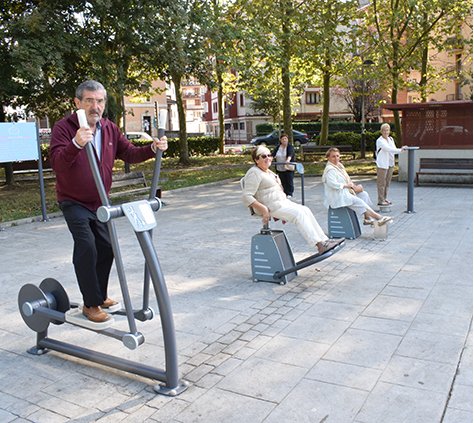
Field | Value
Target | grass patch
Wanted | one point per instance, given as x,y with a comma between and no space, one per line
22,199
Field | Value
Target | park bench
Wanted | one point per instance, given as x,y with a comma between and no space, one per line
444,167
132,183
311,150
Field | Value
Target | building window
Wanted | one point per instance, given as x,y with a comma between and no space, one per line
235,126
242,100
214,107
313,97
242,126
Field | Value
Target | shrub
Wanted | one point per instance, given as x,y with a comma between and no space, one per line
197,146
264,128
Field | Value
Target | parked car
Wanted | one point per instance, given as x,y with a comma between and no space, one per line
273,138
139,136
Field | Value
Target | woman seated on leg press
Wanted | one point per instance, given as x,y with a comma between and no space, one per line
262,191
340,191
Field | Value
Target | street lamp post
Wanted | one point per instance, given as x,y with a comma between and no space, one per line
362,119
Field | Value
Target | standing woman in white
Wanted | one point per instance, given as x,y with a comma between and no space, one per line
385,161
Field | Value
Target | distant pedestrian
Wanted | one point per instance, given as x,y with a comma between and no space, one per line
385,161
285,153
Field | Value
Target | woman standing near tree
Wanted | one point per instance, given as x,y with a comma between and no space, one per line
285,153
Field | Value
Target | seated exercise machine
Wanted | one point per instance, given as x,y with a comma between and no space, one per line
271,256
49,303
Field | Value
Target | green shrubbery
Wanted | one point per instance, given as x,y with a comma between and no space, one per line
314,128
197,146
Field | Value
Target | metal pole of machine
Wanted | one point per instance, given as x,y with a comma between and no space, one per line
411,179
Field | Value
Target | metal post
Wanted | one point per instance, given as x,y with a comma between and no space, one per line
411,179
41,177
362,119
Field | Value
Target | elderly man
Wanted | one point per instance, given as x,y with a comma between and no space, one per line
77,194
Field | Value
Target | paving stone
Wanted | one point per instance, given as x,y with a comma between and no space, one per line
377,324
454,415
362,348
420,374
316,329
336,311
389,307
440,323
461,397
313,401
394,404
199,372
423,345
263,379
218,406
349,375
297,352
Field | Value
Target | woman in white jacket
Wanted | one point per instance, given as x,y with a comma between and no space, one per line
340,191
385,150
262,191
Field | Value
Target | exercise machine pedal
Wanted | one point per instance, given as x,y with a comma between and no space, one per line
75,317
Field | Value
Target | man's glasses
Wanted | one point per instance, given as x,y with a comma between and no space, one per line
91,101
264,156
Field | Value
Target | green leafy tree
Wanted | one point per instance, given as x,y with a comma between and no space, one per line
400,33
327,46
268,44
177,37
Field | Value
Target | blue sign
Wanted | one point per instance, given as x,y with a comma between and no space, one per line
18,142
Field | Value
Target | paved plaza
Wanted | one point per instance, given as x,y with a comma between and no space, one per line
379,333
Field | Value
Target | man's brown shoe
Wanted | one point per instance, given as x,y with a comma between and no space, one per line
109,303
95,314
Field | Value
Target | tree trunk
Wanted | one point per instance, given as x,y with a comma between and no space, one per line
326,103
183,142
7,166
424,66
285,72
396,114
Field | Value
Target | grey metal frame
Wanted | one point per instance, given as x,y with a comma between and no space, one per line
36,304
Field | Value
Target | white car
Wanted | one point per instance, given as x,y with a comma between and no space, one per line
139,136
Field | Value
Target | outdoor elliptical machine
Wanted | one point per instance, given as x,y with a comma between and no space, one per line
49,303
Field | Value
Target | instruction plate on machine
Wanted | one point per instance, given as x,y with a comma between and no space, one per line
140,215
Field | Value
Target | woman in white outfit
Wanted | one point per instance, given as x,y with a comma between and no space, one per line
262,191
385,150
340,191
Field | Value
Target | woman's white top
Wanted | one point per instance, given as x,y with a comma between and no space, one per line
281,157
265,187
386,150
334,179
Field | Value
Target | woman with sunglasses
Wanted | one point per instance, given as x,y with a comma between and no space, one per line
263,192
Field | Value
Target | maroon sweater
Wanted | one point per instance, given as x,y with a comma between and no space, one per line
74,180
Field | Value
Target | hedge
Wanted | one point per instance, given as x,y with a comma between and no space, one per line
314,128
353,139
197,146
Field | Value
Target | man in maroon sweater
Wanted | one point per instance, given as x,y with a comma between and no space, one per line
77,193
